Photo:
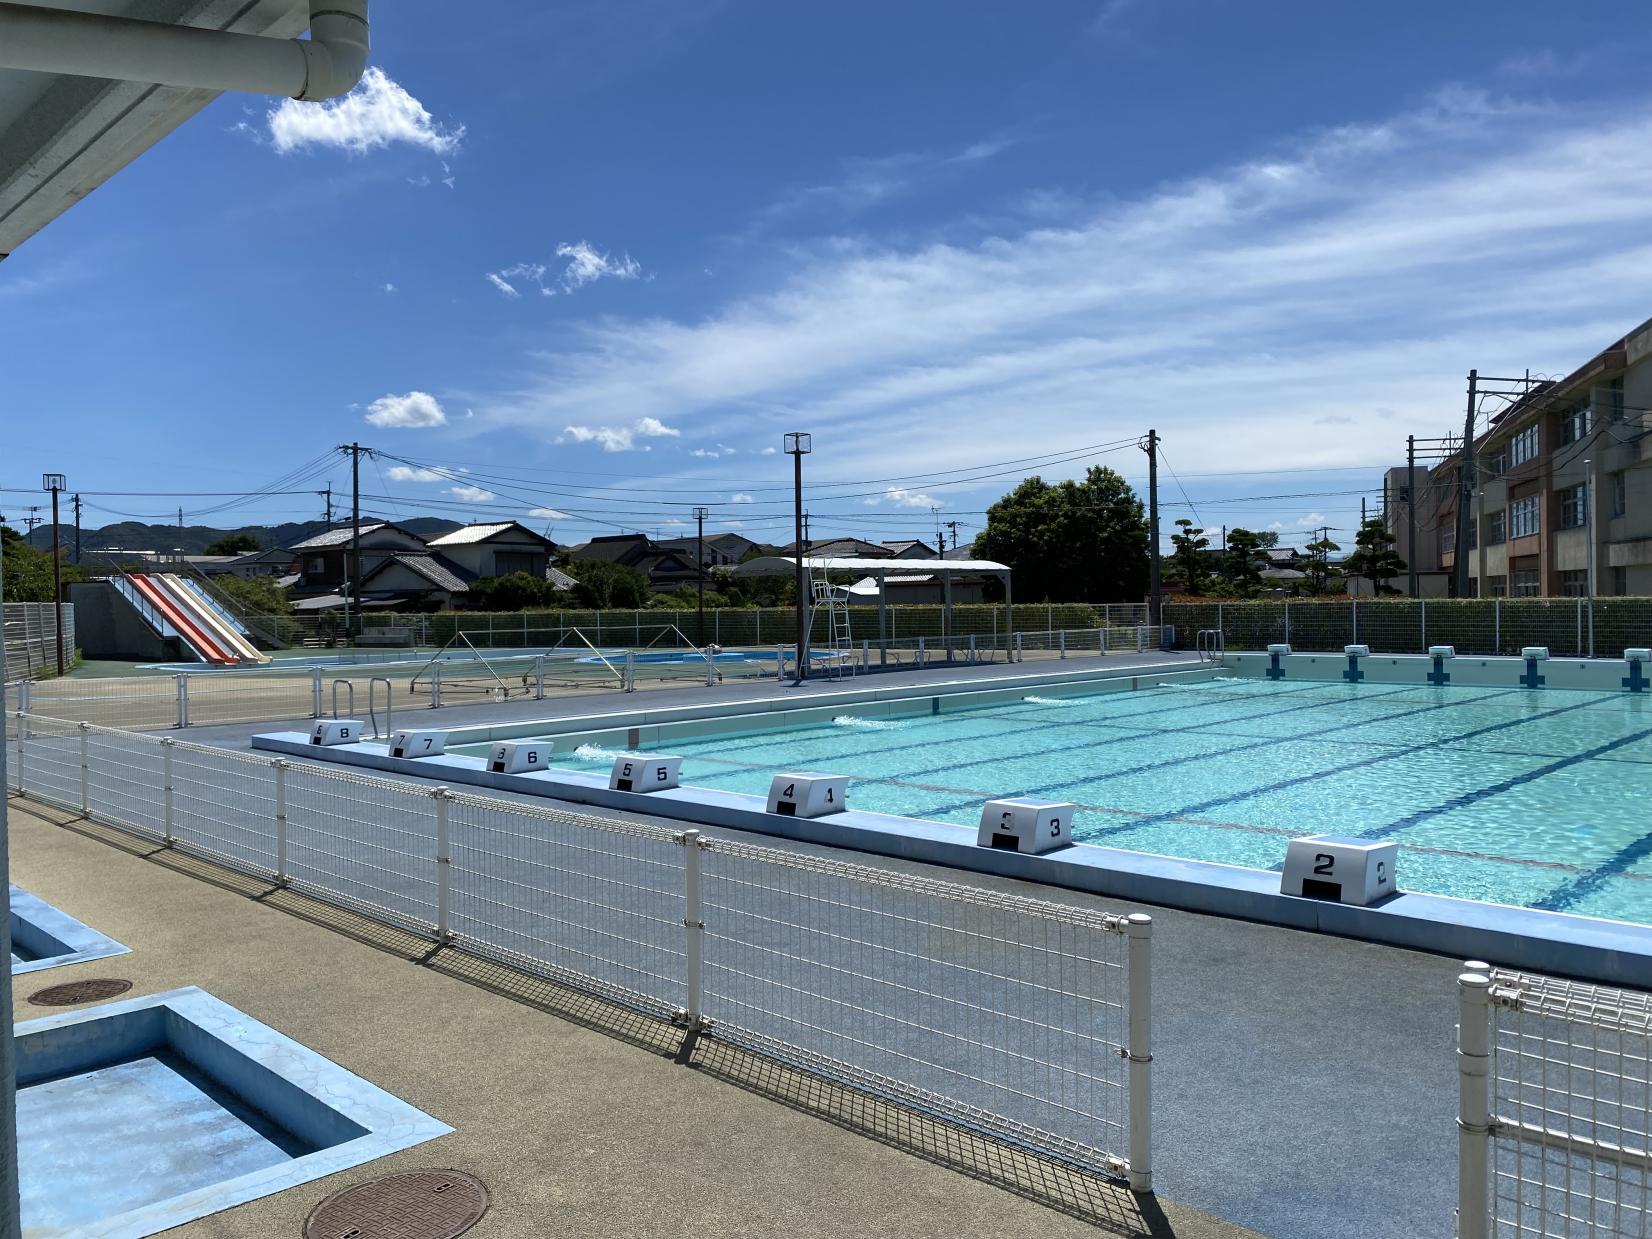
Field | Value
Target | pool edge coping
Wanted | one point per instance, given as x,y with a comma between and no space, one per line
86,944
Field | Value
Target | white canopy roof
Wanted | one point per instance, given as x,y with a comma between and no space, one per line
776,565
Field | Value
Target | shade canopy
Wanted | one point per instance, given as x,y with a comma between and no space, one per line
785,565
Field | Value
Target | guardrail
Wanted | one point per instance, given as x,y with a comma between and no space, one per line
1026,1020
1555,1108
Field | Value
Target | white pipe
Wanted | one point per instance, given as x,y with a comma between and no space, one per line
327,64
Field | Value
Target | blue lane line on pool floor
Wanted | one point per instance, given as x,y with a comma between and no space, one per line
1565,898
1300,780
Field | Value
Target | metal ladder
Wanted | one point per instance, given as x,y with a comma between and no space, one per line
1211,644
839,654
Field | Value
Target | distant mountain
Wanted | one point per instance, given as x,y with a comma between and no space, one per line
194,539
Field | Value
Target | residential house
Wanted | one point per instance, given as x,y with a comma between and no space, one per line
721,550
399,568
843,548
323,560
911,549
666,568
495,550
272,563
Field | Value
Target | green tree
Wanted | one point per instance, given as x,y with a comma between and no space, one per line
1072,542
1323,575
29,569
234,544
1241,567
516,591
261,597
602,585
1189,556
1374,557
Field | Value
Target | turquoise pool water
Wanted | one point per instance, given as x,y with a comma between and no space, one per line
1539,798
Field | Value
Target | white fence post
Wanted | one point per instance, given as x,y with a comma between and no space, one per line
1353,604
315,692
25,697
1422,612
972,657
1020,657
167,836
22,721
1139,927
1101,639
923,659
539,677
436,685
85,800
1287,623
630,671
444,863
694,931
1496,625
1473,1105
183,699
279,764
1061,642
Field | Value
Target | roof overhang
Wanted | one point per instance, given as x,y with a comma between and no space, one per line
62,136
781,565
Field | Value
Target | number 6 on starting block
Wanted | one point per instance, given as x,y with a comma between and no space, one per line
1340,869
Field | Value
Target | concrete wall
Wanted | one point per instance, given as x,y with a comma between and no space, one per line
107,626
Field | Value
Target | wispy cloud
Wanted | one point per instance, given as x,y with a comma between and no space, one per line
714,453
471,494
547,514
901,497
741,497
619,438
414,473
414,409
863,182
1378,262
582,264
377,113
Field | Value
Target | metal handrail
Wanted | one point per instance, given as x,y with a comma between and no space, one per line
351,698
389,694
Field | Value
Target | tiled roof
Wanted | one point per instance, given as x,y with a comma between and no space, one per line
333,537
437,571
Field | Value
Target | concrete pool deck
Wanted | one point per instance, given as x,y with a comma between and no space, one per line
582,1124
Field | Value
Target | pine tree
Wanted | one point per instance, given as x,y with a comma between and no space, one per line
1374,557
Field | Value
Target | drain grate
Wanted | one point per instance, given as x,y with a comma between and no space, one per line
93,989
422,1204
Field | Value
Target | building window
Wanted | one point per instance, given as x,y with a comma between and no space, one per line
1448,535
1497,587
1523,518
1574,582
1473,532
1574,506
1620,495
1526,583
1614,400
1523,446
1493,466
1574,424
1496,526
1620,581
317,566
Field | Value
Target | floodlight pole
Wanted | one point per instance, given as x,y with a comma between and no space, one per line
55,483
10,1206
700,561
1155,611
799,445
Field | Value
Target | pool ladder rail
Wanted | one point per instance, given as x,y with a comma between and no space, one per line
1210,644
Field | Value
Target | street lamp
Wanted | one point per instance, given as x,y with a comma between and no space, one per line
798,446
700,576
56,483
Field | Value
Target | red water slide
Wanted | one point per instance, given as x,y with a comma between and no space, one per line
199,640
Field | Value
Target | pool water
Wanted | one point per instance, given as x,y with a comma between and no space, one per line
1539,798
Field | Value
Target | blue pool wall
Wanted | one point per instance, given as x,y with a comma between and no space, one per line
1589,674
342,1118
1589,948
52,938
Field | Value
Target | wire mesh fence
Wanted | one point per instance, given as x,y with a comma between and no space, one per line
1025,1020
1569,627
1556,1119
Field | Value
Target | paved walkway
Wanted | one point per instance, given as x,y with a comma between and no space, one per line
580,1117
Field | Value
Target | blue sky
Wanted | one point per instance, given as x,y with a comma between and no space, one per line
584,264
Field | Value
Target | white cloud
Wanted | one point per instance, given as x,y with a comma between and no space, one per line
413,473
618,438
904,498
375,114
584,265
389,287
741,498
674,523
471,494
714,453
1376,262
547,514
769,451
416,408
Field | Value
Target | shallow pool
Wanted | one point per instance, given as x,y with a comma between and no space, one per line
1540,798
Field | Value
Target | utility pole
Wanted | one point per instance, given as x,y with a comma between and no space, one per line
352,604
807,540
9,1206
1411,511
799,445
952,525
31,520
180,518
1465,491
327,513
1362,511
700,559
1155,604
55,483
76,502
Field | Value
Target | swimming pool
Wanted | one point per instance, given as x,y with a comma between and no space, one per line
1539,798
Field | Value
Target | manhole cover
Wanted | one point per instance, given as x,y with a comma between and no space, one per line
93,989
423,1204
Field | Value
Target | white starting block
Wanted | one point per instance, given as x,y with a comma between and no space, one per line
518,756
1340,868
1021,825
1357,651
336,731
1637,656
1281,648
418,744
1442,651
808,795
1539,652
637,772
